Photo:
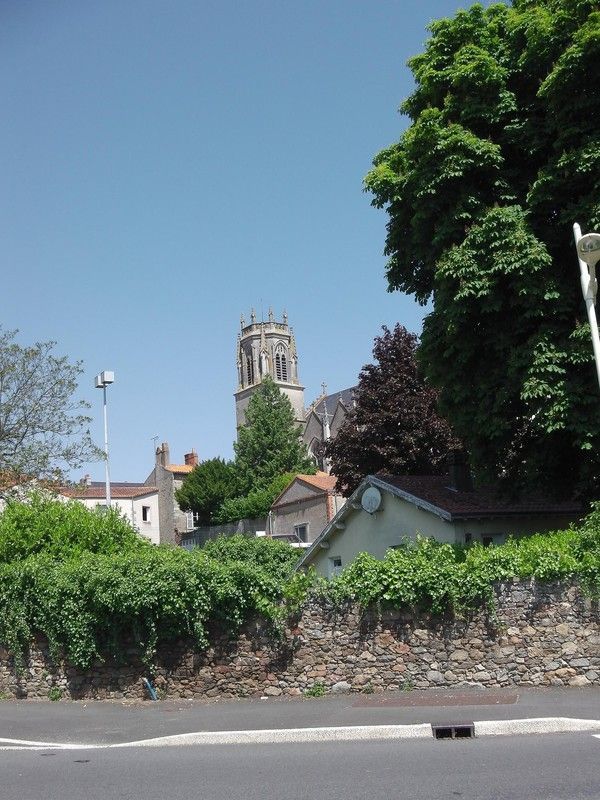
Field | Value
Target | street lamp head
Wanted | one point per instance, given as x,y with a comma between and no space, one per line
588,249
104,379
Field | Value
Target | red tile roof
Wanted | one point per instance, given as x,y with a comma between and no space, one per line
180,468
321,481
97,490
482,502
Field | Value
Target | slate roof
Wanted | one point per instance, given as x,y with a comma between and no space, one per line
435,491
97,490
330,402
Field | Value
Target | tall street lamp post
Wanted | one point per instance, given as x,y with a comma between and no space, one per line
588,252
103,380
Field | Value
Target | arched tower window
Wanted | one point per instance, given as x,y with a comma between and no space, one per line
249,370
281,365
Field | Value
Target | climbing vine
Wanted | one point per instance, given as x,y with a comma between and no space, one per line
92,588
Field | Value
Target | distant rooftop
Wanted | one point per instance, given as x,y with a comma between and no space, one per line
96,490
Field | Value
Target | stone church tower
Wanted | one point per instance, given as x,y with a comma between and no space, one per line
267,348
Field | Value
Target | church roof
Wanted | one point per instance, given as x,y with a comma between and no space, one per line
330,401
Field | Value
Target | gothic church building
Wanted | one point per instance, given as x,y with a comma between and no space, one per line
269,348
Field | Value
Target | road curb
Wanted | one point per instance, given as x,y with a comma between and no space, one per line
514,727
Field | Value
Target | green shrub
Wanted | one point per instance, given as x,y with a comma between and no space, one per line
93,605
316,690
435,577
277,559
92,587
61,529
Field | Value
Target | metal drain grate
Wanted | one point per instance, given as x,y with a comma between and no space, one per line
458,731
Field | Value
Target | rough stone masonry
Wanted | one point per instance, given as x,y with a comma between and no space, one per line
540,635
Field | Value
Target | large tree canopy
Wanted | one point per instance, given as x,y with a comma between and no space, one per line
394,425
42,430
501,157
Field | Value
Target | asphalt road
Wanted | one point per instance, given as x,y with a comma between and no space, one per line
113,722
552,767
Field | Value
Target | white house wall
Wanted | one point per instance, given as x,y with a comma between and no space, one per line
131,509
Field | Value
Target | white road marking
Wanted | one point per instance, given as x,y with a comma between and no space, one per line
25,744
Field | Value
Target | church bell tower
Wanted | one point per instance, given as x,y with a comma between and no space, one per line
267,348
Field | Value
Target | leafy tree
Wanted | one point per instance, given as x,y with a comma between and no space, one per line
394,426
256,503
501,157
42,432
269,444
207,487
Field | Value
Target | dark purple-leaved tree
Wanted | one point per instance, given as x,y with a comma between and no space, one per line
394,426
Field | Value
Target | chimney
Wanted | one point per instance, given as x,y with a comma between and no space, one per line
163,457
191,459
459,472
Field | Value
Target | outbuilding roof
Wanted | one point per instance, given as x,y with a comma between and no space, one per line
436,491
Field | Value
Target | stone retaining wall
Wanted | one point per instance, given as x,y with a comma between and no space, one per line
541,634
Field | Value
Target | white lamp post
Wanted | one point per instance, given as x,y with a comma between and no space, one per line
103,380
588,252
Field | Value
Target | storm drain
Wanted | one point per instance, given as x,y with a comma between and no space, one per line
458,731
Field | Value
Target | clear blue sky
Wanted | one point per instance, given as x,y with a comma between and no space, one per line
167,165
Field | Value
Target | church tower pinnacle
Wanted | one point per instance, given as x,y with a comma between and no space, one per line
267,348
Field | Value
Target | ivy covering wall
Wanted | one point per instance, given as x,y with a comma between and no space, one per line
91,586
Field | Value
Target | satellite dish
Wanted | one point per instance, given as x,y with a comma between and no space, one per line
371,499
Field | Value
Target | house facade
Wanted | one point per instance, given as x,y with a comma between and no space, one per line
167,478
304,508
137,502
385,511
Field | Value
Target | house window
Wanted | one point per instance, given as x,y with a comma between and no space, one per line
145,513
301,532
468,538
335,566
192,520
